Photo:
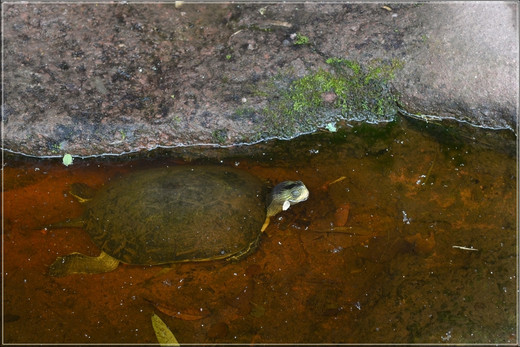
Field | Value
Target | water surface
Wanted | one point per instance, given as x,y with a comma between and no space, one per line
409,235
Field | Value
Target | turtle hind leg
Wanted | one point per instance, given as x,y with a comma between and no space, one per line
245,252
80,263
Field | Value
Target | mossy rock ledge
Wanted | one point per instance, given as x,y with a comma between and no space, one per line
135,77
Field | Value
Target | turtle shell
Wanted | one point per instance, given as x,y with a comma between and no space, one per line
177,214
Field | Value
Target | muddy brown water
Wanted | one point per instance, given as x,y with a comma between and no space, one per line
409,235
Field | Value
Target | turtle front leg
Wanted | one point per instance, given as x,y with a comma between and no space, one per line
80,263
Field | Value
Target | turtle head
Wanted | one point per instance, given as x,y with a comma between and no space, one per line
284,195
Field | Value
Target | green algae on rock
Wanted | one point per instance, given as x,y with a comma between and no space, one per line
346,90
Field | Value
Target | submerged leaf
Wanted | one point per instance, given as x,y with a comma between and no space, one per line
341,215
163,333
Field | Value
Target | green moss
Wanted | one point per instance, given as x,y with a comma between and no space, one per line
243,112
55,148
346,90
176,119
220,136
301,40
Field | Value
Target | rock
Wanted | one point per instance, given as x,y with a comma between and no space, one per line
89,79
468,68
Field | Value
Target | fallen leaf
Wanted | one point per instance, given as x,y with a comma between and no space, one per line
67,159
341,215
331,127
163,333
184,314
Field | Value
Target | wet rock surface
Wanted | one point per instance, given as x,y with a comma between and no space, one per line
90,79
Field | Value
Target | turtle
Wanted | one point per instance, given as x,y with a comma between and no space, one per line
175,214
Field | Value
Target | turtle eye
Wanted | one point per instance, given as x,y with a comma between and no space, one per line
295,193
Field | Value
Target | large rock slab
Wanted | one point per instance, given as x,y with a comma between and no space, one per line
468,65
90,79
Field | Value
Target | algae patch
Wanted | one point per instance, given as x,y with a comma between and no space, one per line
344,90
300,39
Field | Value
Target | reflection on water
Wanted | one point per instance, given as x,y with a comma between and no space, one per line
409,235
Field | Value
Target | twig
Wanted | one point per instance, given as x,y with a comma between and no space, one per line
466,248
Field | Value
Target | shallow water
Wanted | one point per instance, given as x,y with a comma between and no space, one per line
409,235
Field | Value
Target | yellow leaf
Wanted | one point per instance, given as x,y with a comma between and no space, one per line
163,333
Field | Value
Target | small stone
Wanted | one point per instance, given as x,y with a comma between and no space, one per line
329,97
